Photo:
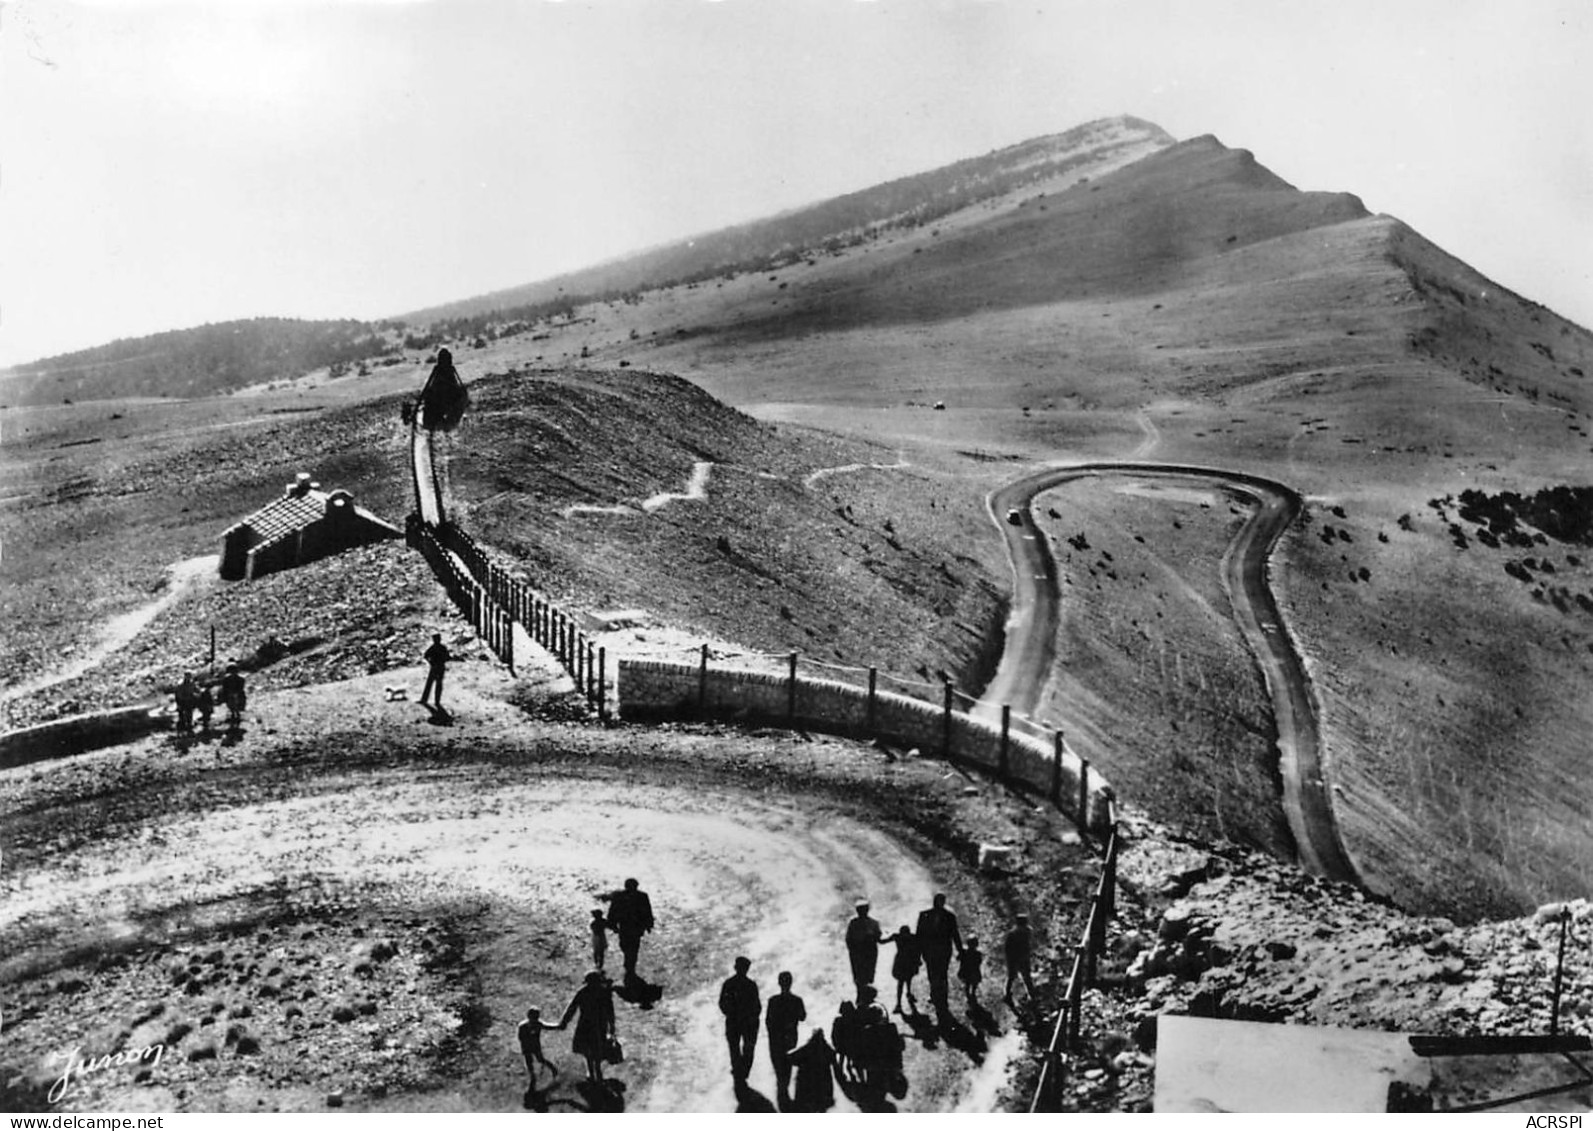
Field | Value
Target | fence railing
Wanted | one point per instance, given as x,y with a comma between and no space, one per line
494,602
787,695
1086,957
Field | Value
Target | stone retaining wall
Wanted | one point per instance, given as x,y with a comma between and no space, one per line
61,738
649,690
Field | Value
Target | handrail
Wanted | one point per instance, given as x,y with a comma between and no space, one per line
1091,945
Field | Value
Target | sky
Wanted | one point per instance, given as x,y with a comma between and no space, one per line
167,164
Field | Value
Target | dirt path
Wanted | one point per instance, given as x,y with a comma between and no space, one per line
185,577
812,479
696,488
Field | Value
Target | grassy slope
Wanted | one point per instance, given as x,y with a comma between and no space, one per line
860,567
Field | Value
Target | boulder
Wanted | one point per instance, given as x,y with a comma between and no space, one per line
997,857
1175,923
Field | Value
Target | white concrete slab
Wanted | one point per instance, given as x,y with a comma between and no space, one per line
1208,1065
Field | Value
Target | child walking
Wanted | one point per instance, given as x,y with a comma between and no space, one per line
971,970
530,1031
599,938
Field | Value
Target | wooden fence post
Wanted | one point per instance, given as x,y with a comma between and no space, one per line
945,725
873,684
1084,796
790,692
1056,769
1006,736
702,684
602,679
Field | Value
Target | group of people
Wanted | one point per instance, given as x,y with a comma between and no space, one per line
812,1062
595,1040
930,947
863,1045
196,696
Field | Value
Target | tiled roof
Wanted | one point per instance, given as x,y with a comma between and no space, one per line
283,516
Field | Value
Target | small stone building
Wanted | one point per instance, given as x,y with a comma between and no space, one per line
304,525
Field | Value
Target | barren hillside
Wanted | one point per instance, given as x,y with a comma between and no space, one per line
1141,299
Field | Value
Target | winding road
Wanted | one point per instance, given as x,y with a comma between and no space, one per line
1031,632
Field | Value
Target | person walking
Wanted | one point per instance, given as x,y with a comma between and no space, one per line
815,1074
971,970
909,959
530,1034
630,916
593,1010
187,696
862,945
234,697
782,1018
599,931
206,706
937,937
1018,950
740,1004
437,658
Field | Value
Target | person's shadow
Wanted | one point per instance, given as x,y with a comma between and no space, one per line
639,991
869,1097
958,1036
983,1021
749,1099
923,1029
440,716
604,1095
536,1100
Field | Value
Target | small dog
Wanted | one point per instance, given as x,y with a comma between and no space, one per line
397,694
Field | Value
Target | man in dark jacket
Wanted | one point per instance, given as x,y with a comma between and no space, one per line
783,1019
630,916
436,657
739,1002
938,936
